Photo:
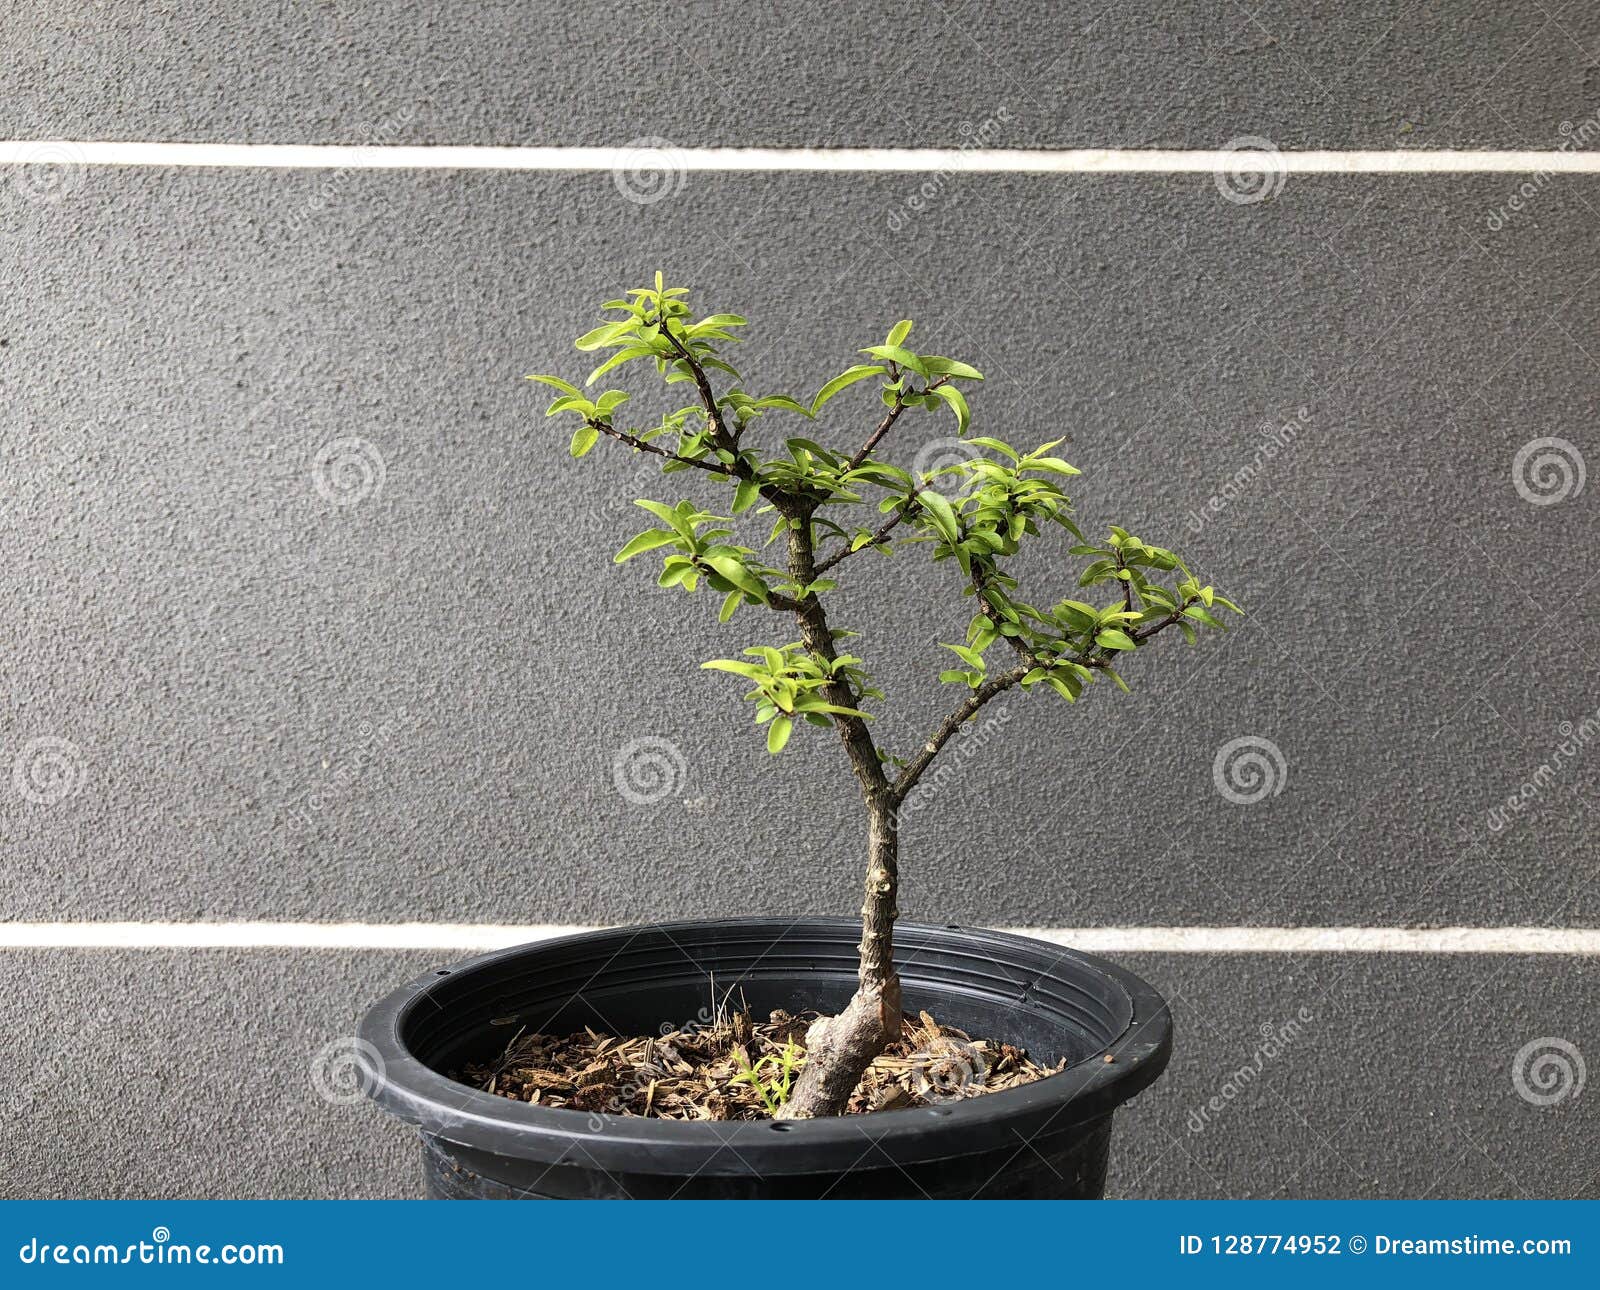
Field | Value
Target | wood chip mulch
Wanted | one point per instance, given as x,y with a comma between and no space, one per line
701,1072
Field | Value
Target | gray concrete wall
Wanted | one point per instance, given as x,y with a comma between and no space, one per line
275,706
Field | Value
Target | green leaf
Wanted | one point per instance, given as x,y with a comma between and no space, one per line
939,510
896,354
782,401
1113,638
730,604
957,400
745,493
843,381
555,381
949,367
1068,690
733,569
583,438
605,334
994,445
667,515
649,540
970,657
616,360
1053,464
733,665
899,332
778,734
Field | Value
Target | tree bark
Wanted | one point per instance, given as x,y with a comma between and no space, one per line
840,1048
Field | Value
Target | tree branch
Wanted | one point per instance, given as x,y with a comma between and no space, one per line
877,539
1145,633
719,431
633,441
888,421
913,771
818,638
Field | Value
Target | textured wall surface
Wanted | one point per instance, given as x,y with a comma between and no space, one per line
398,688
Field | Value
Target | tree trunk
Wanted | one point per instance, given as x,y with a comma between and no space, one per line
839,1049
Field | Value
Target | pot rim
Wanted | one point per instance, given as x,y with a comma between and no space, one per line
1088,1089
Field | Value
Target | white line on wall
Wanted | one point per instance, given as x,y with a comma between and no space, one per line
467,937
978,160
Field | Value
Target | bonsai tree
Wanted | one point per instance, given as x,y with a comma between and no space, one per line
972,514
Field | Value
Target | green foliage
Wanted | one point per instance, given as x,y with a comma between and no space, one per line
791,682
976,513
773,1076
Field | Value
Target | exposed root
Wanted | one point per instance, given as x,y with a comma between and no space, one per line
839,1049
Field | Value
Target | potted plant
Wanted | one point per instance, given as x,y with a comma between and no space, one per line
1101,1032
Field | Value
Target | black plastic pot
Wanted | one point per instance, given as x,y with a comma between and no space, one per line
1044,1140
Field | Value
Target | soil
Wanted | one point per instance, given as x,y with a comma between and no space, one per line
735,1068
